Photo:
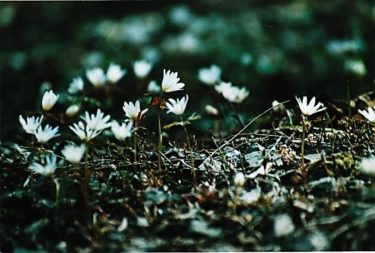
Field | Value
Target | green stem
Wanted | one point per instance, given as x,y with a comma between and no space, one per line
135,146
57,187
85,184
238,117
160,141
190,151
303,168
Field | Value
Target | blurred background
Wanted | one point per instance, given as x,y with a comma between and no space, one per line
276,49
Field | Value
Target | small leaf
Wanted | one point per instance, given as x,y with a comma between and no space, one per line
194,116
173,124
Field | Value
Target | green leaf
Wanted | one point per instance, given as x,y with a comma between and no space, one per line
173,124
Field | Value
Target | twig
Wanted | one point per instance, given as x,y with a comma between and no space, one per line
244,128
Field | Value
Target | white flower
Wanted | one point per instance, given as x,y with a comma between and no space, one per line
368,166
310,108
123,131
170,82
47,169
283,225
223,87
153,87
44,135
239,179
231,93
115,73
142,68
369,114
236,95
84,132
73,153
211,110
209,75
98,121
76,85
72,110
30,124
96,76
177,106
133,111
49,100
94,125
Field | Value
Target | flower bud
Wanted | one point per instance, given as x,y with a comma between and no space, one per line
72,110
49,100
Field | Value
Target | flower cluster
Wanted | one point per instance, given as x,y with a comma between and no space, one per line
98,78
33,126
92,126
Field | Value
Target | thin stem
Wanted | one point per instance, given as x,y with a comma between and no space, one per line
85,184
348,93
190,151
242,130
135,146
238,117
160,143
57,187
303,168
